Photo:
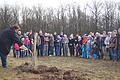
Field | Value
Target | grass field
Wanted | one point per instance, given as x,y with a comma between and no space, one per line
89,69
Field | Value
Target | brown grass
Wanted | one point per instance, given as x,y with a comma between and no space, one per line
90,69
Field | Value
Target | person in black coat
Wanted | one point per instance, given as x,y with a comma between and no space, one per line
118,45
8,37
71,45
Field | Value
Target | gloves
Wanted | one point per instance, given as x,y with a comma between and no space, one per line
23,47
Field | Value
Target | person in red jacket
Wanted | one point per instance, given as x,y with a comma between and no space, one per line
27,44
17,50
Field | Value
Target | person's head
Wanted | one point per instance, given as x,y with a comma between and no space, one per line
65,36
23,39
112,34
58,36
27,33
46,34
91,33
97,34
71,36
26,37
119,30
109,33
79,38
15,28
51,35
61,33
89,37
30,32
77,35
40,32
19,32
104,32
84,35
55,33
115,32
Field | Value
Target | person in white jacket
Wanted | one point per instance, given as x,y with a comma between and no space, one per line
106,42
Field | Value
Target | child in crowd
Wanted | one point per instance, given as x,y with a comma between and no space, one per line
88,47
84,40
17,48
27,44
84,55
94,49
22,52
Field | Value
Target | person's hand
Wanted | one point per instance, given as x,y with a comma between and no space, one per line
23,47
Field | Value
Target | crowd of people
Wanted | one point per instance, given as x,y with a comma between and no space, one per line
105,45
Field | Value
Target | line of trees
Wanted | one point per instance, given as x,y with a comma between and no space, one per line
97,16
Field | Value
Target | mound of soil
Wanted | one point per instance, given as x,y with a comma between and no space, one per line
48,73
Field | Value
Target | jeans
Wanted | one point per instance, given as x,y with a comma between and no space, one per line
71,48
38,50
78,51
61,47
95,56
45,53
57,50
17,53
41,50
84,54
27,52
110,56
51,50
118,54
88,54
65,49
22,53
3,59
113,52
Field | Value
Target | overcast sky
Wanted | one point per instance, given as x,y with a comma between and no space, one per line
47,3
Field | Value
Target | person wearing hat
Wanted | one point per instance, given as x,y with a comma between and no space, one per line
8,37
46,40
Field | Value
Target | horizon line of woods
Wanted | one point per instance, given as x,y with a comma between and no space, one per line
98,16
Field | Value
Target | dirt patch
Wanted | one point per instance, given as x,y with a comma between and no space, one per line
48,73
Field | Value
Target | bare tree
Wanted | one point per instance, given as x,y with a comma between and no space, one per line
68,19
8,16
96,11
27,19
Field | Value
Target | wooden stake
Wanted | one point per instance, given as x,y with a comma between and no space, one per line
34,51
